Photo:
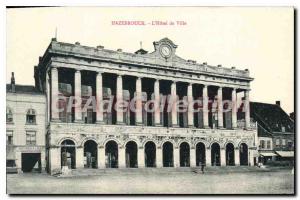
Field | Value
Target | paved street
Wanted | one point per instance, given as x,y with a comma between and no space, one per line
276,182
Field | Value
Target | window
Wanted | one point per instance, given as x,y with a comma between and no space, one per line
9,137
9,115
10,163
262,144
30,116
268,144
282,129
30,137
283,142
277,142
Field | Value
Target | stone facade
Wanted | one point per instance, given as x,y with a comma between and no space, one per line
100,140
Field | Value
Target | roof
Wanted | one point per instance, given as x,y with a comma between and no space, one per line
271,118
153,59
24,89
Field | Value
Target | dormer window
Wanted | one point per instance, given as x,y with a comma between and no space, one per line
31,117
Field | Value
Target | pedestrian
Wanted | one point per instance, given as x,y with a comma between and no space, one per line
202,168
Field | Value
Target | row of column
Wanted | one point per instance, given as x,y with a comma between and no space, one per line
159,157
119,96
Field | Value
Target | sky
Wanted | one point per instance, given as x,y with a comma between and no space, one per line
260,39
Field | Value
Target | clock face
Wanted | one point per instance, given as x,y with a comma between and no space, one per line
165,51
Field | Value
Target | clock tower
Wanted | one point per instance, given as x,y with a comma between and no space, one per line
165,48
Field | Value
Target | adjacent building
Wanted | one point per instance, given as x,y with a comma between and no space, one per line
276,132
25,128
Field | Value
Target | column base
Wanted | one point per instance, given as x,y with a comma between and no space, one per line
222,128
175,126
78,121
139,123
191,126
100,122
206,127
121,123
158,125
55,120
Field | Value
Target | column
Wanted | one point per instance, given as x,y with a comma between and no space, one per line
159,157
157,103
79,157
223,156
208,156
54,94
174,105
78,114
48,96
234,108
122,157
250,157
192,157
99,94
190,105
54,159
141,157
205,106
247,109
237,156
101,157
120,114
220,108
176,156
139,110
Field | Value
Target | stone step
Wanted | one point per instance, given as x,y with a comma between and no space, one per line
227,169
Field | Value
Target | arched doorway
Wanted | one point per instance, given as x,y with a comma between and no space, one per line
230,154
200,154
243,154
111,154
131,155
150,154
215,154
184,154
90,154
168,154
68,154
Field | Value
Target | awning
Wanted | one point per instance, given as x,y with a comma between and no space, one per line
285,153
265,154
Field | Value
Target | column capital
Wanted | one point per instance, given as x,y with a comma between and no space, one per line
99,73
53,68
139,77
205,85
190,84
77,71
119,75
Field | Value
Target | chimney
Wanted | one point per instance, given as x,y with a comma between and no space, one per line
278,103
12,82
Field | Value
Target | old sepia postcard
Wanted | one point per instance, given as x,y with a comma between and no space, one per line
150,100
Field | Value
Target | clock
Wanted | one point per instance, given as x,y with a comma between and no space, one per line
165,51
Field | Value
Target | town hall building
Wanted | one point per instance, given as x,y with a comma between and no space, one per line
102,138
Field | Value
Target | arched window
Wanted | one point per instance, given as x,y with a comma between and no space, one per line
30,117
9,115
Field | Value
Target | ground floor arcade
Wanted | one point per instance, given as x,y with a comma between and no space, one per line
130,155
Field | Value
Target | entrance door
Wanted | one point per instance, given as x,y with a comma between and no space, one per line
31,162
